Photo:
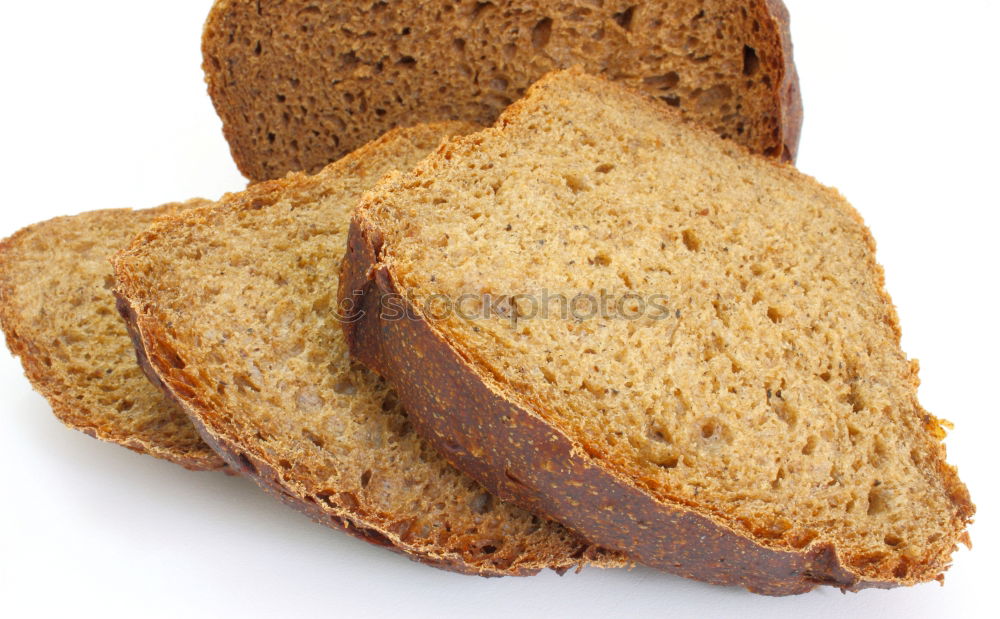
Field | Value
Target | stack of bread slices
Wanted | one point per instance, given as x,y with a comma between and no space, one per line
515,286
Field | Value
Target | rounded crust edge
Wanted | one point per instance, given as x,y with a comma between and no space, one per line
49,385
253,466
521,458
154,359
366,277
787,90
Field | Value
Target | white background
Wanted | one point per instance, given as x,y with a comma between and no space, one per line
102,105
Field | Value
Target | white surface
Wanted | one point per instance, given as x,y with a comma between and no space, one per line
103,105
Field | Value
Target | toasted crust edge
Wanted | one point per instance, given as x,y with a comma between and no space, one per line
50,386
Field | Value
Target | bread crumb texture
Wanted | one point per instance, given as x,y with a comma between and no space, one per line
773,398
299,83
237,310
58,314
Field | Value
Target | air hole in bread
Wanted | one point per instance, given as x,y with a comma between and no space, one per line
541,33
576,183
312,437
785,412
709,429
751,63
878,501
549,375
390,401
810,447
671,100
480,9
668,462
691,240
345,386
482,503
667,81
776,482
624,18
602,260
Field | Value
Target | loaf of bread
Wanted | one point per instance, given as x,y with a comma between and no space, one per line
676,348
58,314
234,310
300,83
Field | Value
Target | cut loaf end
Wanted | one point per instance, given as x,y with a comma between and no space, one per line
300,83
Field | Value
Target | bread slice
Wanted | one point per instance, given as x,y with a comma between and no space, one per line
58,313
300,83
718,392
235,310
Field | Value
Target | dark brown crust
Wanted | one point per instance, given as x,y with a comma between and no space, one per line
515,454
155,359
771,14
44,380
267,477
491,432
790,121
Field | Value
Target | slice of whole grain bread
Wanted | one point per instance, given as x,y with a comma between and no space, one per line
57,310
234,310
715,385
299,83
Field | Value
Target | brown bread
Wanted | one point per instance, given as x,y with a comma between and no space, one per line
743,414
58,314
300,83
233,308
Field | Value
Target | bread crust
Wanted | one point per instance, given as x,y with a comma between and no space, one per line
238,101
47,381
254,467
518,456
787,89
493,434
155,357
